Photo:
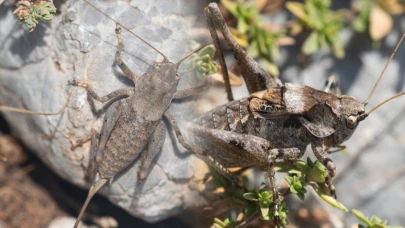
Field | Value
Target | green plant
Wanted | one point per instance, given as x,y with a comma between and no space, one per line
202,61
373,222
30,12
260,42
299,176
323,23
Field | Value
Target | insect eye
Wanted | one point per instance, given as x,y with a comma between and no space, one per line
351,122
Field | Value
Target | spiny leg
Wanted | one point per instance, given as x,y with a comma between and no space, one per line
191,91
255,77
120,93
205,156
287,154
125,92
127,72
321,155
154,147
332,85
337,149
92,168
219,53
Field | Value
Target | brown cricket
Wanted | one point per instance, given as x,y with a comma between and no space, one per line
277,123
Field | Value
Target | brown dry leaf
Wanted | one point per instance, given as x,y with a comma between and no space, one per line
234,169
233,79
260,4
394,7
303,213
271,27
11,150
380,23
240,38
319,214
273,6
285,41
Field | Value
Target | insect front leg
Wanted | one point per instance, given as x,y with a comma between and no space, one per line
321,154
191,91
124,92
127,72
154,147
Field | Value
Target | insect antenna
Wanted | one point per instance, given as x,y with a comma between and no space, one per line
382,73
128,30
389,99
26,111
187,56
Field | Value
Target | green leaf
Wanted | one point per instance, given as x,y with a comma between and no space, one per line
243,26
289,180
362,21
250,209
282,212
297,9
302,165
338,49
207,50
329,199
250,196
301,195
230,6
318,173
265,212
222,224
360,216
311,44
315,14
271,68
253,49
266,195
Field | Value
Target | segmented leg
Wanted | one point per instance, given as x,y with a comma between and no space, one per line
204,155
219,53
92,168
287,154
255,77
332,85
127,72
338,149
154,147
191,91
321,154
125,92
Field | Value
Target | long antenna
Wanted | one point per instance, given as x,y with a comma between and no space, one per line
21,110
121,25
188,55
385,67
389,99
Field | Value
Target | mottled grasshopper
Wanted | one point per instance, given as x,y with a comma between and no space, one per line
276,123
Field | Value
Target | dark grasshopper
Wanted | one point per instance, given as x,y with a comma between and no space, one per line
276,123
